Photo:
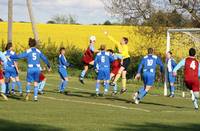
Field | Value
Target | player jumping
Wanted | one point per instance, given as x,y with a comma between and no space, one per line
148,65
171,64
124,51
33,56
191,74
102,65
11,72
88,58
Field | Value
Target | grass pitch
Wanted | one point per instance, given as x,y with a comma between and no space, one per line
81,111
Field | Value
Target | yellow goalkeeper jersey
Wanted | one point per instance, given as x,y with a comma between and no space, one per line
123,49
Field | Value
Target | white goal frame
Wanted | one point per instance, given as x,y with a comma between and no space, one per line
169,31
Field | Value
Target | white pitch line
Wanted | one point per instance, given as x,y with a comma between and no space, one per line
95,103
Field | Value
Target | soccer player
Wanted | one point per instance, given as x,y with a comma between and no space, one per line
88,58
171,64
124,51
102,65
42,82
116,64
2,82
33,56
11,72
191,74
62,70
148,65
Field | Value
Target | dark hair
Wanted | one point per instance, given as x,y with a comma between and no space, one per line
110,50
8,46
150,51
170,52
32,42
192,52
102,47
61,49
125,40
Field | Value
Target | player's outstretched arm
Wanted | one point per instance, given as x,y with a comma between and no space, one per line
44,58
178,66
64,61
113,40
19,56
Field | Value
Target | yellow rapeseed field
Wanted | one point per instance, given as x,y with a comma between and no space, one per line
79,34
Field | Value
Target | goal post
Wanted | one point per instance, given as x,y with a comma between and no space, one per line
187,31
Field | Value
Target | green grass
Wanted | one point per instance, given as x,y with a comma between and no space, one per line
81,111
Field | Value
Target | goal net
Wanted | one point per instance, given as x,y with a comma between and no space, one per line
179,41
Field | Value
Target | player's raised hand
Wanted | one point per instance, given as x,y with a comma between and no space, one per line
137,77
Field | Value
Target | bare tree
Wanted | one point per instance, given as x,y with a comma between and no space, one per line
191,7
134,11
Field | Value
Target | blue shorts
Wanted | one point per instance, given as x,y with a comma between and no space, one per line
33,75
171,78
148,78
63,73
10,72
103,75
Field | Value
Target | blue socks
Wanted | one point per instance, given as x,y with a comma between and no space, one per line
28,88
172,89
106,87
97,87
13,86
35,91
63,85
142,93
83,74
19,86
3,88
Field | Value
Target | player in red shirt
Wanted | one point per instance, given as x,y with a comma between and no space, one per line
116,65
88,58
191,74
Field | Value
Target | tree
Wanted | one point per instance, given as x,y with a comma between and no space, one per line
130,10
107,23
64,19
191,7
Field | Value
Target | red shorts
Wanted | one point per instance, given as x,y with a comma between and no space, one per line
42,77
192,85
115,70
1,75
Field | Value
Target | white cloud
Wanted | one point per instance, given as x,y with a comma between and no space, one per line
45,9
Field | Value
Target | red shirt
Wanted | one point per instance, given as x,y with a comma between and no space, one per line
88,56
191,69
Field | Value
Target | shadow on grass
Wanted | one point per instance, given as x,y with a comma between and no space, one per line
159,104
158,127
14,126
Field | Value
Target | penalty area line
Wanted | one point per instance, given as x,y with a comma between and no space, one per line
95,103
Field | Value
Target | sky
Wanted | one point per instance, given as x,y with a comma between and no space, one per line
86,11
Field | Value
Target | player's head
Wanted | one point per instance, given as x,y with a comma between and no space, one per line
124,41
9,46
92,39
192,52
169,54
150,51
110,51
103,47
62,50
32,42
